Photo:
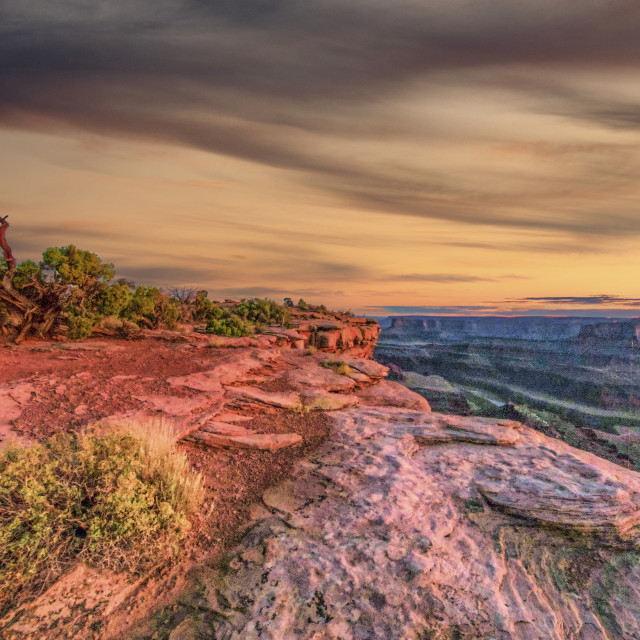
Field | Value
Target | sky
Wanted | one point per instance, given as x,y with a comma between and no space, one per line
452,156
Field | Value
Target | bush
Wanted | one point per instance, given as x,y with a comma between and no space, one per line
76,267
25,273
113,300
343,369
111,323
117,500
143,303
230,326
80,325
302,305
205,309
262,311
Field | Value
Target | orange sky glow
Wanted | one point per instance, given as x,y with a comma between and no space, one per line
442,157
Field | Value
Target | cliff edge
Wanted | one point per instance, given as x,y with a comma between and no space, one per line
398,522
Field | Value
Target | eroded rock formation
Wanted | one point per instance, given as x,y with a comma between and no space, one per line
404,523
409,524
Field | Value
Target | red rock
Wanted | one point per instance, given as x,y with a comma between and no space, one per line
323,401
174,405
328,340
369,367
283,400
309,374
393,394
225,429
235,369
224,342
262,441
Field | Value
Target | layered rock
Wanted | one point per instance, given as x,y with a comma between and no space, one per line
357,336
409,524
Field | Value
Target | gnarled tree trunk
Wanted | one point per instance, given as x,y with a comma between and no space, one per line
40,310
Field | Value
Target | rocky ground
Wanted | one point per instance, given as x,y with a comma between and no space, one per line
342,506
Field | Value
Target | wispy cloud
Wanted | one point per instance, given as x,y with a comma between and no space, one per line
589,300
445,278
419,310
269,82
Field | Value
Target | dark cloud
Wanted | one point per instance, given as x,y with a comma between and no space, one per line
590,300
168,275
274,292
418,310
448,278
559,245
470,311
261,80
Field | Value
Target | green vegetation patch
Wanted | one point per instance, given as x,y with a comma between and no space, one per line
230,326
118,500
246,318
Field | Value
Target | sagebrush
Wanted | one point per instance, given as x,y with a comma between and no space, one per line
119,500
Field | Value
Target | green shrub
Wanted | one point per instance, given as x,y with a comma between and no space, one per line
204,309
143,303
230,326
80,323
261,311
26,272
171,315
113,300
302,305
117,500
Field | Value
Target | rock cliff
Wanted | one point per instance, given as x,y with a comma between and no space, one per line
401,523
410,524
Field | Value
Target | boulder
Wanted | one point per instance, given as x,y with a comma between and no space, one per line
309,374
392,394
323,401
328,340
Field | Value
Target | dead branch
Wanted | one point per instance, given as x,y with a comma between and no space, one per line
41,308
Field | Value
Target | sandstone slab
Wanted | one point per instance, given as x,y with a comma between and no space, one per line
379,536
309,374
262,441
225,429
392,394
283,400
324,401
234,369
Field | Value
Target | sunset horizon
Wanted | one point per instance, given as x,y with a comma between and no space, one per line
452,158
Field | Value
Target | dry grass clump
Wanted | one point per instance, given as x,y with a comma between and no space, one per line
341,368
121,500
